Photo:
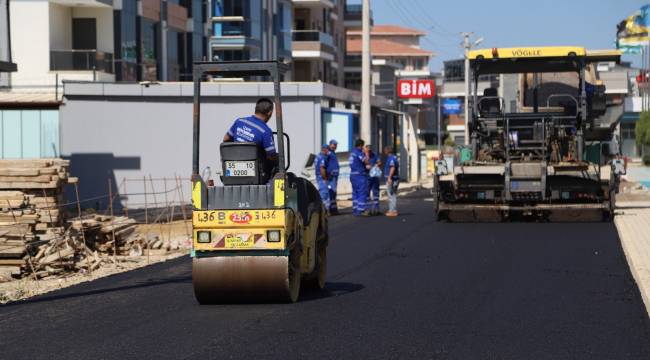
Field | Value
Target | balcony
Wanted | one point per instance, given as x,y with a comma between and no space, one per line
312,44
231,32
314,3
86,3
312,35
81,60
352,16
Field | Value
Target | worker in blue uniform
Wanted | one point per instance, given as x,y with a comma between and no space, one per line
374,174
320,167
359,179
391,174
254,129
333,175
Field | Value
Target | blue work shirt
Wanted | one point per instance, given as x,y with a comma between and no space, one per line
321,162
372,161
357,165
253,129
332,164
391,161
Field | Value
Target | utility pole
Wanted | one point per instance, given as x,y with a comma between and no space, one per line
439,122
466,47
365,72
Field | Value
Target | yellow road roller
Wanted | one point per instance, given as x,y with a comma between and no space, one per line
262,233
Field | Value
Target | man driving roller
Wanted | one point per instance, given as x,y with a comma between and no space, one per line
254,129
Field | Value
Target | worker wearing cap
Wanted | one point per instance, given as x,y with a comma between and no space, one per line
333,175
320,167
359,179
254,129
373,180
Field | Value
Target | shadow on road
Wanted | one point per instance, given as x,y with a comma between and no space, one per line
332,289
66,294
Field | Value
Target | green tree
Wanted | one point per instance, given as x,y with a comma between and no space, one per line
642,131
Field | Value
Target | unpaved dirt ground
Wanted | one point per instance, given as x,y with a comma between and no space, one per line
177,232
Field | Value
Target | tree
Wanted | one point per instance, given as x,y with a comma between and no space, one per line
642,131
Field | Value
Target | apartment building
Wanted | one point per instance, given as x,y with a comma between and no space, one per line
395,50
6,64
105,40
309,34
251,30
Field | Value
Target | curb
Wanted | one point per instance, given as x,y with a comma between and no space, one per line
634,259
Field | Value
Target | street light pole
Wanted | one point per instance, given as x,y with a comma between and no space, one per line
365,72
466,47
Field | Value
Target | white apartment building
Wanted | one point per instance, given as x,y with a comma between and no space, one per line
61,39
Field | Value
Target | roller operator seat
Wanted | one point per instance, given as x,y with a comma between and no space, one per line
244,163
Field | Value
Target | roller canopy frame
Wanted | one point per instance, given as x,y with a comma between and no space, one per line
273,69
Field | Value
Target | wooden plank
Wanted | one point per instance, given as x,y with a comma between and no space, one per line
39,178
11,194
29,185
26,163
20,172
12,204
12,262
12,252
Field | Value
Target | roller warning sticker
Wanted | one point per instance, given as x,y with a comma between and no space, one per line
238,218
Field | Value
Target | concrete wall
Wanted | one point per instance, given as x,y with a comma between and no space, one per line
30,41
60,27
132,137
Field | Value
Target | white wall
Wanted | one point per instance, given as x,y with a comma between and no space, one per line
60,28
37,27
30,42
104,20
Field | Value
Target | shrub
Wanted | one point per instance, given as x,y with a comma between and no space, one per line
449,141
646,160
642,130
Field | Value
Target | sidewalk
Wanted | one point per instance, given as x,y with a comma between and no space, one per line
633,224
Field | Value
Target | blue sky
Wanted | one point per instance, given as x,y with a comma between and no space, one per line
503,23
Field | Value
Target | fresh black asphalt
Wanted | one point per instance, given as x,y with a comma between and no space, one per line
398,288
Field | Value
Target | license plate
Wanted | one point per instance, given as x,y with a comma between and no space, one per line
240,168
239,241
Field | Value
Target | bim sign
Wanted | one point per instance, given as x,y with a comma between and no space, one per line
416,89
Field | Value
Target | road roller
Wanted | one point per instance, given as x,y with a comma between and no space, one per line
261,234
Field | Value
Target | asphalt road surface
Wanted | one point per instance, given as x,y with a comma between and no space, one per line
402,287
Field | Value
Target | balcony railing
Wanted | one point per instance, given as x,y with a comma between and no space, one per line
81,60
312,35
230,28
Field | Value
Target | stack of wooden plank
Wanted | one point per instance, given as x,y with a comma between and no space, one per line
109,234
31,195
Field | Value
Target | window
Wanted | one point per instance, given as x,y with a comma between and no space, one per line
232,7
149,50
232,55
126,62
627,131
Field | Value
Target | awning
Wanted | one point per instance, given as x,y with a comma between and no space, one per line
630,117
6,66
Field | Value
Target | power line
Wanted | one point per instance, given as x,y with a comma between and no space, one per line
443,31
402,15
